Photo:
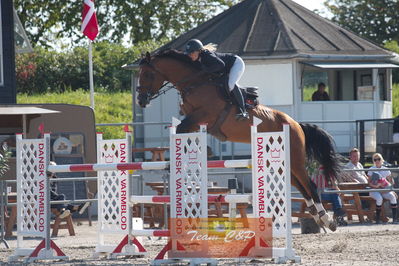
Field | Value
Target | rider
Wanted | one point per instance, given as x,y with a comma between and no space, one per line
213,62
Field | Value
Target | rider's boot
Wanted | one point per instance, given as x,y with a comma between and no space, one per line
241,105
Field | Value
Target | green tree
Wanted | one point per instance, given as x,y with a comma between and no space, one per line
377,20
47,70
140,20
394,47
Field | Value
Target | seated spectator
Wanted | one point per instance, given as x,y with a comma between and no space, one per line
382,179
320,94
322,184
63,209
357,176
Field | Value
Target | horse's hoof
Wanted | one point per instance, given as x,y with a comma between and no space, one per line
327,221
333,226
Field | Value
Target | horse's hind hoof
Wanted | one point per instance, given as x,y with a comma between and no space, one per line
333,226
327,221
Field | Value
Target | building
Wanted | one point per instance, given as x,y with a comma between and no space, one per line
7,54
288,50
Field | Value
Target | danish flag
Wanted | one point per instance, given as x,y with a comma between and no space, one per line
89,20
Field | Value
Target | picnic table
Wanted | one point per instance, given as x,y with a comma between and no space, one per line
352,196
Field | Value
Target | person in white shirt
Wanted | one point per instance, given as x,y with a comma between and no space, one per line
358,176
382,179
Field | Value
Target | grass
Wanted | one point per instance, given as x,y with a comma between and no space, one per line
109,107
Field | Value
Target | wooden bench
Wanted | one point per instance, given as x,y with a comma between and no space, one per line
57,225
158,153
352,204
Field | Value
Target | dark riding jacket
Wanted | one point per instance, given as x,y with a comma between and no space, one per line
213,62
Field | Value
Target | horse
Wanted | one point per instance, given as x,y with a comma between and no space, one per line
203,103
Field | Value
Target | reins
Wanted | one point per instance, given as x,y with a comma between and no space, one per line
163,90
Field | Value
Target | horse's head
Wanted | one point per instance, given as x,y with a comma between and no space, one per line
150,81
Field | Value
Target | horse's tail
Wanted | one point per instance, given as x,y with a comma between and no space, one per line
321,147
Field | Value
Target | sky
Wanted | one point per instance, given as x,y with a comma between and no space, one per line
311,4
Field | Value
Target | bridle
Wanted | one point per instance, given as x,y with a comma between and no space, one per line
162,90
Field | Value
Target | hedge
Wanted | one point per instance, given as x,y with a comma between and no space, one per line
58,71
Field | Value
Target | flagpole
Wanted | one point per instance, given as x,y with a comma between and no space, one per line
91,74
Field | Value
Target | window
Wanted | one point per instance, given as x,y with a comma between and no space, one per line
10,141
345,84
67,144
310,80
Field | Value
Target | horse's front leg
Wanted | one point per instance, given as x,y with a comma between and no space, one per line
191,122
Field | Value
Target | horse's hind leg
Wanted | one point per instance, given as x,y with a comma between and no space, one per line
317,210
308,199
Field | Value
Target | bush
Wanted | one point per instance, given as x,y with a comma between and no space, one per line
51,71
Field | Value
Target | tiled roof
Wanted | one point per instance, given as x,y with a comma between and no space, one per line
277,28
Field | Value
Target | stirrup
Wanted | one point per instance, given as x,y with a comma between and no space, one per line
242,116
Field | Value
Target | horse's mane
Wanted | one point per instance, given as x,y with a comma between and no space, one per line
179,56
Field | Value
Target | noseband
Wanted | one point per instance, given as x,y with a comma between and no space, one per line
150,95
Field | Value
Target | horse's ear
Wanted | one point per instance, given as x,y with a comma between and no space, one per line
148,57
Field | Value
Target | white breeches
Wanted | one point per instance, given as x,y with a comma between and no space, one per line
236,72
378,196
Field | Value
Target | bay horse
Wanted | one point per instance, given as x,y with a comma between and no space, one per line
202,103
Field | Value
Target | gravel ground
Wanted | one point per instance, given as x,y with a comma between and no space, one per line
350,245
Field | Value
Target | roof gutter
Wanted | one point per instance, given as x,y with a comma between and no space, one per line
132,66
392,57
325,57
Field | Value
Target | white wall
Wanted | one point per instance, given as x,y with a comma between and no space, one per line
344,133
275,81
162,109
